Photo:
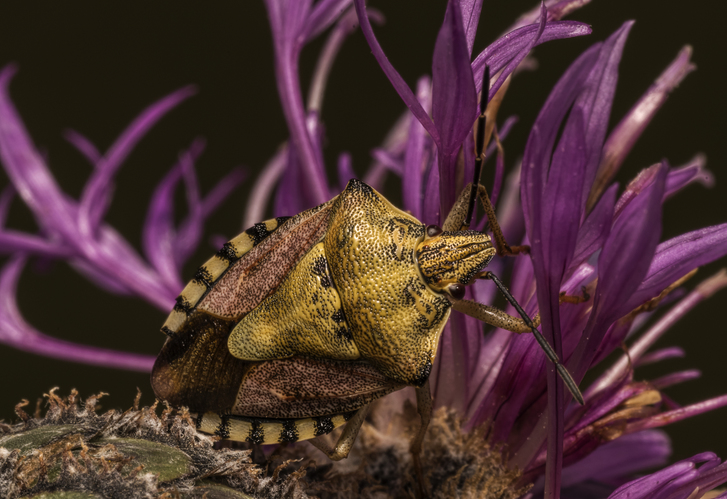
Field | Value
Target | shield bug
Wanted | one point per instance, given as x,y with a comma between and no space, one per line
297,324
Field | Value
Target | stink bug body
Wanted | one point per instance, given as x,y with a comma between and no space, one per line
294,326
298,323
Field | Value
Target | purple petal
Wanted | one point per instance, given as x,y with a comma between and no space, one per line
621,458
622,265
102,279
491,354
558,216
454,99
552,246
705,479
103,256
522,366
27,170
500,53
552,191
677,256
520,56
14,331
636,352
596,99
562,8
635,233
190,230
659,355
416,147
585,423
431,205
542,137
499,164
304,185
287,21
112,259
595,229
388,160
289,197
157,234
557,9
12,241
345,170
396,80
263,188
159,237
457,353
627,132
470,10
324,13
97,193
676,378
497,181
694,171
344,27
658,484
84,146
219,193
394,142
677,179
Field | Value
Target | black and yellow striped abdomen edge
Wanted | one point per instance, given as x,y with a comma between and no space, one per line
206,276
268,431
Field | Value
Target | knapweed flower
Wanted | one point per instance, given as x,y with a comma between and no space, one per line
595,271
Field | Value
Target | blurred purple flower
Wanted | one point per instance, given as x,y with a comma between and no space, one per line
582,237
74,230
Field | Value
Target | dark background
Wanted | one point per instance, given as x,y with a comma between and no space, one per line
92,66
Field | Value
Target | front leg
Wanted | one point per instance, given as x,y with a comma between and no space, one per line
456,220
495,317
347,438
424,407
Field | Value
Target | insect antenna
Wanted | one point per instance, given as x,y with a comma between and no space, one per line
549,352
479,144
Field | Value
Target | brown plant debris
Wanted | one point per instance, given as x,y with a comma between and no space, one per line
152,453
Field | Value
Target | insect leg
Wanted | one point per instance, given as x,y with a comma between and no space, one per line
456,220
482,137
347,438
503,249
549,352
575,299
424,407
458,213
494,316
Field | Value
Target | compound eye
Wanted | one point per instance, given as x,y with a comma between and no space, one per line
457,291
433,230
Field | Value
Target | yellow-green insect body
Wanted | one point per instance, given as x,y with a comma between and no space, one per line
298,323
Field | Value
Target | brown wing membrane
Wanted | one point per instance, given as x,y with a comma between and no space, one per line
259,272
301,387
195,367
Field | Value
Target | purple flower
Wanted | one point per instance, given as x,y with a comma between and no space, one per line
585,236
74,230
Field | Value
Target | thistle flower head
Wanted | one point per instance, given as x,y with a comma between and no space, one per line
597,265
